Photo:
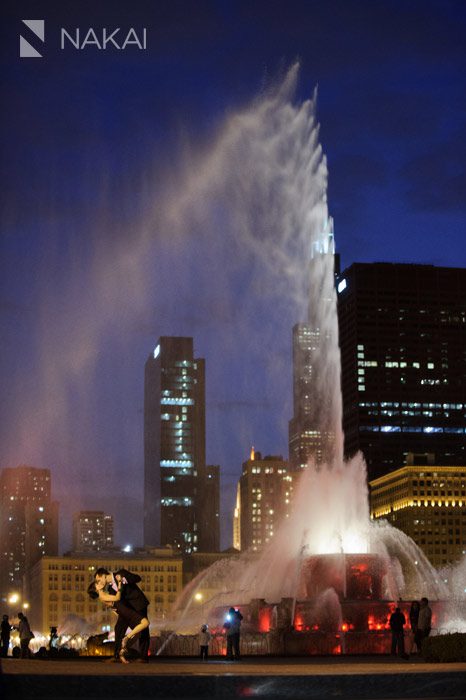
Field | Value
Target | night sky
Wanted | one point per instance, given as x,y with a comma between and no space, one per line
94,142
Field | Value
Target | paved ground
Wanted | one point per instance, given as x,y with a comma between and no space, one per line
315,677
256,666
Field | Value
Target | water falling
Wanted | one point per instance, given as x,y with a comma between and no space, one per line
271,163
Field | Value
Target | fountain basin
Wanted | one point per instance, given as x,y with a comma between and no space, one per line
351,576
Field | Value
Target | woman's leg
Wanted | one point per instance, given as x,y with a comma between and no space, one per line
129,638
136,630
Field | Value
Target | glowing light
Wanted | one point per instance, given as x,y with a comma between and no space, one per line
156,352
341,286
264,619
13,599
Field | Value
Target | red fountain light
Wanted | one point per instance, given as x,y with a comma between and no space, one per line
264,620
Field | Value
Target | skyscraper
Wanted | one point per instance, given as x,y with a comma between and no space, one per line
176,480
92,531
402,337
209,519
314,429
28,523
304,436
264,500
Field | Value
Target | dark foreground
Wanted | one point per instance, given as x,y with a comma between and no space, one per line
344,678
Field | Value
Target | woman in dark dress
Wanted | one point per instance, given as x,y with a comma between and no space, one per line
134,619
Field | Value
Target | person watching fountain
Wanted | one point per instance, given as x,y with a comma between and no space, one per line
204,641
25,635
424,623
233,628
414,615
5,636
397,623
413,620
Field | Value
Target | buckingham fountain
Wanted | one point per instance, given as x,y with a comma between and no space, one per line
330,578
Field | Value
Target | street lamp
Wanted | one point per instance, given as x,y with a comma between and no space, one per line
200,599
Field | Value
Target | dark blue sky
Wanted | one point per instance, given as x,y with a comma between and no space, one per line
90,140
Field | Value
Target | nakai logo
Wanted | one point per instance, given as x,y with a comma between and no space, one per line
36,29
77,38
104,38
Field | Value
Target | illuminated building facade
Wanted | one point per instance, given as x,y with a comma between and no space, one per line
28,523
237,520
57,587
312,429
304,435
403,336
181,499
92,531
428,503
265,497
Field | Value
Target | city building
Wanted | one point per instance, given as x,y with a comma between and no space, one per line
304,435
265,496
315,423
428,503
209,518
237,520
403,336
57,588
28,524
181,494
92,531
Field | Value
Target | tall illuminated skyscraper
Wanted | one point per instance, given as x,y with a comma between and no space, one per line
316,407
28,523
304,436
179,506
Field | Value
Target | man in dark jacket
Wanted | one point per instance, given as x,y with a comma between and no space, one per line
132,597
233,628
397,622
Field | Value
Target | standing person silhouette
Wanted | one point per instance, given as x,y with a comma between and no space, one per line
233,628
413,620
6,630
424,623
397,623
25,635
204,641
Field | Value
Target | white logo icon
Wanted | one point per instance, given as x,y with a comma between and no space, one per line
26,50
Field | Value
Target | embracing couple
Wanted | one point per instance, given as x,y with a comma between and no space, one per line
119,590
